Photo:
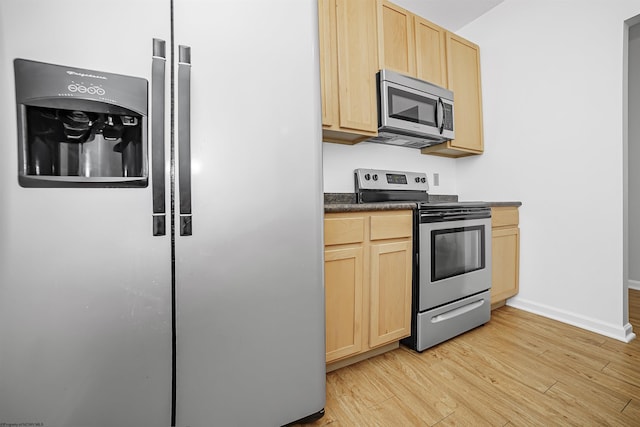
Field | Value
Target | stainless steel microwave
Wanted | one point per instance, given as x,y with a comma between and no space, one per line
411,112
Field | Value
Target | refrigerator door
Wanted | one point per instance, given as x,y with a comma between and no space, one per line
249,279
85,293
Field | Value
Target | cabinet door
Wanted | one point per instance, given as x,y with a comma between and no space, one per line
505,254
431,60
357,64
396,48
328,70
464,80
343,269
390,292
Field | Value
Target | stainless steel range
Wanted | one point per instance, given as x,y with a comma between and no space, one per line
452,245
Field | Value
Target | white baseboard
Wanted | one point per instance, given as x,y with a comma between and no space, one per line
621,333
634,284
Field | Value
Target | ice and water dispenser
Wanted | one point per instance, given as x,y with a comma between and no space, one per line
80,127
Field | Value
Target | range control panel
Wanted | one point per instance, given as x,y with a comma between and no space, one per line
377,179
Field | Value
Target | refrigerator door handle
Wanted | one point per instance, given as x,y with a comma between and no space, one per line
157,136
184,138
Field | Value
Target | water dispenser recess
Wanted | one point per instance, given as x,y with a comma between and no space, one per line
80,128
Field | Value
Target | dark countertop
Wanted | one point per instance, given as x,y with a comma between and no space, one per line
357,207
347,202
507,204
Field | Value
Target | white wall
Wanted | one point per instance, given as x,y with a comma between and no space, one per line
340,161
552,81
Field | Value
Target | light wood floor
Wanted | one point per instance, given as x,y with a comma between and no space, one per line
517,370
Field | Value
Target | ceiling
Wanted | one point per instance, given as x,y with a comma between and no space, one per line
450,14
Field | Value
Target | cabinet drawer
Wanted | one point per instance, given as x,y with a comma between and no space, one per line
343,230
503,216
391,226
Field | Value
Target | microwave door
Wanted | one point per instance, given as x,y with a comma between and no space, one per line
404,108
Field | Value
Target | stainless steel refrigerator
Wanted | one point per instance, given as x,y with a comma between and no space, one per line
160,213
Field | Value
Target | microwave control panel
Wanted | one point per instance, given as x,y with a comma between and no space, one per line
448,116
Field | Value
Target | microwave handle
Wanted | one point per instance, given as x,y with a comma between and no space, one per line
440,115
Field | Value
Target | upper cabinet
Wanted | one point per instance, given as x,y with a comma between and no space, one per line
431,58
463,71
410,44
348,63
360,37
396,41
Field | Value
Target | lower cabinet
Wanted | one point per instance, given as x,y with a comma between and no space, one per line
343,277
505,253
368,271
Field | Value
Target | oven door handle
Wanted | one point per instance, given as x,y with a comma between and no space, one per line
457,311
427,218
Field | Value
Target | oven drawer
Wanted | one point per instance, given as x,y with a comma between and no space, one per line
439,324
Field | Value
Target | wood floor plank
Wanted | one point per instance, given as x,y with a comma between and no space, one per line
628,351
586,409
504,359
428,400
361,384
347,411
509,393
436,378
624,372
464,417
590,378
586,397
519,369
632,410
470,393
573,341
397,412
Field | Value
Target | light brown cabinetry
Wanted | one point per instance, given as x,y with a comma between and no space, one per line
343,269
463,71
360,37
431,58
368,270
348,63
410,44
396,41
505,253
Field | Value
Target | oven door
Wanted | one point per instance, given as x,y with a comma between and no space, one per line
454,260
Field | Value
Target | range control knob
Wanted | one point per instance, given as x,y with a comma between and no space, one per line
367,177
423,179
375,176
417,179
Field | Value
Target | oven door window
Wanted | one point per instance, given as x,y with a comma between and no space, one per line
457,251
410,107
